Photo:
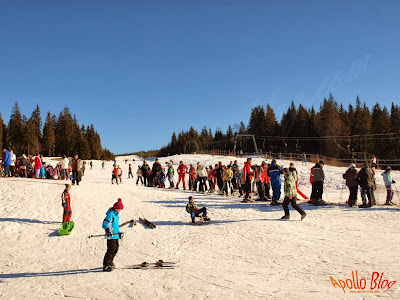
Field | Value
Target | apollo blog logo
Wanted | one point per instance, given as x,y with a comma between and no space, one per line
357,284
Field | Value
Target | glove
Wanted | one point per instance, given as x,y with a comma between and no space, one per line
393,181
64,205
108,233
121,235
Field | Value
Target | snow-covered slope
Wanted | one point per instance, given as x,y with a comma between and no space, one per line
247,252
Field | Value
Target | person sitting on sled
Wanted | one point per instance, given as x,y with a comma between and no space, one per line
66,203
194,210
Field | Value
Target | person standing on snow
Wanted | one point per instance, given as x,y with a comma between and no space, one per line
182,169
387,178
6,162
317,178
274,172
66,204
247,176
76,170
290,190
139,175
170,175
64,167
130,174
111,227
13,162
192,178
38,165
266,180
145,171
366,181
352,183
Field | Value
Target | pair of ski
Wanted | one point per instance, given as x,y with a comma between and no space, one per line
149,266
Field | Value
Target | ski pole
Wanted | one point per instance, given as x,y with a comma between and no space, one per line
397,193
97,235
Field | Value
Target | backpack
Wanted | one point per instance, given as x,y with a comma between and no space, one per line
312,175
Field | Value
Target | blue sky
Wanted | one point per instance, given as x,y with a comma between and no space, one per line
139,70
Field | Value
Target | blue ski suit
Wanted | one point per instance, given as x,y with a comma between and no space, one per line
274,172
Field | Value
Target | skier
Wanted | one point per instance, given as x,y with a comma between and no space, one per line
259,176
156,168
102,165
219,171
194,211
247,176
170,175
64,167
145,171
114,175
265,178
38,165
290,190
66,204
317,178
130,174
91,165
365,178
235,168
227,176
139,176
76,170
182,169
13,162
274,172
201,175
6,161
192,178
352,184
111,226
387,178
119,174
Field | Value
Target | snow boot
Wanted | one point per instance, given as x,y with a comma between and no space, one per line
108,268
364,205
285,217
303,215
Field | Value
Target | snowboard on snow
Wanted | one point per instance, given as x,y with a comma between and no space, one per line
147,223
66,228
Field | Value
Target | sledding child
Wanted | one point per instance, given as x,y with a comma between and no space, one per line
130,174
387,178
66,203
111,226
194,210
290,195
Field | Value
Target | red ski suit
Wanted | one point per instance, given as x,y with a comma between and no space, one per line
182,169
66,203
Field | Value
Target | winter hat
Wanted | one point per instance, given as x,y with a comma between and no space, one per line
321,162
352,166
190,198
388,168
263,163
118,204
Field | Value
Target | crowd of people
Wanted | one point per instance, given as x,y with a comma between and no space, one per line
37,167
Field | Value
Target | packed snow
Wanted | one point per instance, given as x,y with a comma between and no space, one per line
247,252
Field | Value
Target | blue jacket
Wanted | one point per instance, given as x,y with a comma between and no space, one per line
111,221
7,158
387,178
274,172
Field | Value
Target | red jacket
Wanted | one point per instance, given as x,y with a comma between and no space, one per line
182,169
247,170
66,201
264,177
115,171
38,163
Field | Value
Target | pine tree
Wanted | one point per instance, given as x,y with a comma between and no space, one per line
49,135
395,128
288,121
257,121
15,131
380,125
65,133
36,124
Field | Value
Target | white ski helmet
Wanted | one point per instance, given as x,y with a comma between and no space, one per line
352,166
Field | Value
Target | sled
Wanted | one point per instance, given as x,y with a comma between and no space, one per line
66,228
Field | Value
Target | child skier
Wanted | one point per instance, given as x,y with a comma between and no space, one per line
130,172
387,178
139,175
66,204
111,226
170,175
290,195
114,175
194,210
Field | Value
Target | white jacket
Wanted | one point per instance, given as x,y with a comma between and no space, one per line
13,160
202,172
64,163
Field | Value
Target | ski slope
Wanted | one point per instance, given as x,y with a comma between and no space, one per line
247,252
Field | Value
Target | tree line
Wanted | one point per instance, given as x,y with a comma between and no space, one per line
332,130
59,135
